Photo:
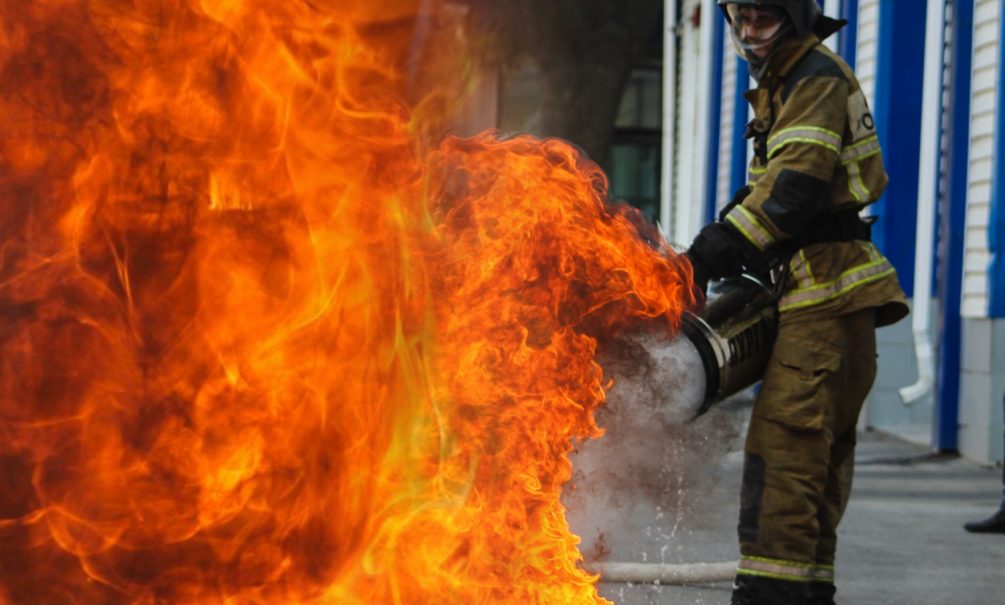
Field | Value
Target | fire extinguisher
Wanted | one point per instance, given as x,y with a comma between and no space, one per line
733,335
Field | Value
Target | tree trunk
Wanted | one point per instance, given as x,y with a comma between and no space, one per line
585,51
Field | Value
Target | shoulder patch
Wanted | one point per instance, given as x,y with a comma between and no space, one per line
860,119
813,63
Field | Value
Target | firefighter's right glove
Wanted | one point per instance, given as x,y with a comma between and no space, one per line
716,252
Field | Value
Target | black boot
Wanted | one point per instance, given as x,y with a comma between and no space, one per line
995,524
757,590
820,593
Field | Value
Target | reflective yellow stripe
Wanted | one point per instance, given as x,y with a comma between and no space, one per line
772,575
823,573
847,281
747,223
801,270
855,184
755,172
779,569
871,250
805,134
860,150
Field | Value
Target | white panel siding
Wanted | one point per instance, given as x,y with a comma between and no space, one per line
974,282
867,46
982,119
983,103
981,152
982,188
865,52
691,132
832,8
722,192
688,146
975,238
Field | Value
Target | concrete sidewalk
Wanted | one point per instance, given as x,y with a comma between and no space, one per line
901,541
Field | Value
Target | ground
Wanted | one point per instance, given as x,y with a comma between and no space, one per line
902,540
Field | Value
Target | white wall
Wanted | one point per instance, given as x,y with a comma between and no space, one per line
727,94
982,107
982,379
691,169
982,383
687,142
832,8
867,46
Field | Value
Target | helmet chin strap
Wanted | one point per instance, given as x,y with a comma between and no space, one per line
758,63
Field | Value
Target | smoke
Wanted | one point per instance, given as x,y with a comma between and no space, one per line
636,490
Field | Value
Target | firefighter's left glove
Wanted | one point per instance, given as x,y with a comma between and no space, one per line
699,274
717,252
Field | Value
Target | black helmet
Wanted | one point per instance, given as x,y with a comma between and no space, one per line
803,14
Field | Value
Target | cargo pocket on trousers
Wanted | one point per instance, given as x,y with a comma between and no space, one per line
792,392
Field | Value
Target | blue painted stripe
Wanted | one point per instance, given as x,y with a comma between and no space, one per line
953,211
996,230
847,44
714,118
738,162
899,75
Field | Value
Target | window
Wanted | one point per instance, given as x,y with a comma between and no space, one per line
634,161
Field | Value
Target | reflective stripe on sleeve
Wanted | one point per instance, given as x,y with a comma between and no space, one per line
779,569
855,184
748,225
860,150
805,134
846,282
823,573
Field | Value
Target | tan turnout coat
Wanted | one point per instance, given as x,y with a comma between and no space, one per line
816,151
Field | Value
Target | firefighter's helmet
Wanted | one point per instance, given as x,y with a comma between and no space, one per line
803,14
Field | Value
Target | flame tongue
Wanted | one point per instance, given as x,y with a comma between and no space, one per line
256,348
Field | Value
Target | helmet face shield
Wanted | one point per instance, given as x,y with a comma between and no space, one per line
756,29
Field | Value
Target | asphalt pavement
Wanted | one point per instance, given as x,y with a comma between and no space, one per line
901,541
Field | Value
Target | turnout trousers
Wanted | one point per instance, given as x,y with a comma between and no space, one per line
799,458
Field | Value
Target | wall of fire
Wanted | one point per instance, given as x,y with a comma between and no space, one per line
885,41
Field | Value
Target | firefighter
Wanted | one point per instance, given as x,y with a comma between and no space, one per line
816,164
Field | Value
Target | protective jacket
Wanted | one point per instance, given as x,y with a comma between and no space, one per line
816,158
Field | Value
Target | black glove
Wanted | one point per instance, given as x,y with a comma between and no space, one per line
718,251
700,273
738,197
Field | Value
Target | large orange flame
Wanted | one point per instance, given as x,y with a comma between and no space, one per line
260,342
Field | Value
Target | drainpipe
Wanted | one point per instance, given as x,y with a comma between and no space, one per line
928,174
